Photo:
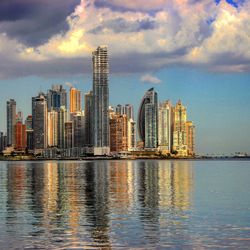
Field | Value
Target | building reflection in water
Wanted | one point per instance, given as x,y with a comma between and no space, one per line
85,204
97,202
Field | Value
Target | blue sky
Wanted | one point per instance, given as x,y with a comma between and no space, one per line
196,51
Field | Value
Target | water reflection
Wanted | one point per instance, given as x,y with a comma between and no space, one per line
100,204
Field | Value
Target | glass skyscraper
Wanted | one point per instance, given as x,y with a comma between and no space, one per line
11,122
148,119
56,97
101,100
40,122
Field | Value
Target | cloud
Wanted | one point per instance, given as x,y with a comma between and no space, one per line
34,22
150,79
204,34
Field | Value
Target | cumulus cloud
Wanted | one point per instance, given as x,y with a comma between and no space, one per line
193,33
150,79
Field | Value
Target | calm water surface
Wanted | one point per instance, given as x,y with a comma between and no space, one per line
125,204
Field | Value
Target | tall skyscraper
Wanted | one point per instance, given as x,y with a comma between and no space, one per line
148,119
28,122
190,129
128,110
19,116
11,122
56,97
29,133
179,129
62,118
40,122
131,135
118,133
118,109
69,134
88,112
101,100
75,100
165,127
79,129
21,137
2,141
52,128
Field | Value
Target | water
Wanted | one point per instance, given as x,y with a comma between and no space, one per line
125,204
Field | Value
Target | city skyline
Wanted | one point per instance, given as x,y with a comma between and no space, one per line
180,63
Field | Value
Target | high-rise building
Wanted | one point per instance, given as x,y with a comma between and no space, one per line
118,133
190,129
128,110
79,129
56,97
101,100
69,135
62,118
119,109
19,116
30,139
11,122
148,120
131,135
75,100
52,128
165,127
88,112
179,129
21,137
28,122
3,141
40,122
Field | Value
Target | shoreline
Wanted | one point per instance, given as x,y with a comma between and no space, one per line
129,159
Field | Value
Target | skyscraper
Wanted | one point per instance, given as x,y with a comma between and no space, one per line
148,119
190,129
118,109
52,128
165,127
88,112
128,110
179,129
21,136
118,133
2,141
75,100
62,118
40,122
131,135
69,135
79,129
56,97
101,100
11,122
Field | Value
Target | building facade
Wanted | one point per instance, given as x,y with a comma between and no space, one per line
148,120
62,118
179,130
190,134
40,122
11,122
56,97
118,133
69,135
165,127
52,128
21,136
89,125
101,100
79,129
75,100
